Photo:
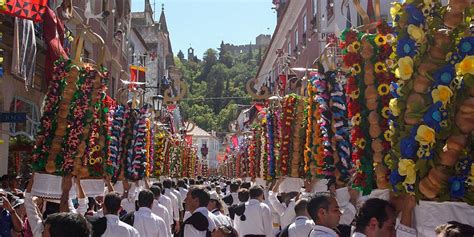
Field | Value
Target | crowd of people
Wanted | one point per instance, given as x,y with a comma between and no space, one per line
208,207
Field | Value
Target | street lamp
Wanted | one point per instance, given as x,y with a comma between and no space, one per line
158,104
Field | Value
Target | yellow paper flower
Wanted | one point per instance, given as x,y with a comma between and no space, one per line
356,46
390,63
379,67
472,169
380,40
406,167
390,38
395,10
388,161
442,93
383,89
466,66
387,135
405,68
394,108
355,94
385,112
356,119
425,135
416,33
356,69
361,143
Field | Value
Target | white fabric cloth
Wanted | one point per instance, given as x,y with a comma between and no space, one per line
161,211
190,231
128,204
149,224
348,210
301,227
174,203
258,220
166,201
381,194
291,185
221,218
321,186
428,215
287,213
322,231
115,227
35,218
180,199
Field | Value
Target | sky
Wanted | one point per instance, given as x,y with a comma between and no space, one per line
203,24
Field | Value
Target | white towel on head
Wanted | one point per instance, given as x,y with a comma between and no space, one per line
321,186
291,184
381,194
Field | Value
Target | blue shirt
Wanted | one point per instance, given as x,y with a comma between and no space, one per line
5,223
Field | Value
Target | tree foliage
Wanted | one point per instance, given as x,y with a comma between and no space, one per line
218,75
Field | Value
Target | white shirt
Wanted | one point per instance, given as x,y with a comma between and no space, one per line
174,203
128,204
258,220
235,198
221,218
402,231
161,211
166,201
190,231
35,218
183,193
287,213
301,227
149,224
115,227
180,199
322,231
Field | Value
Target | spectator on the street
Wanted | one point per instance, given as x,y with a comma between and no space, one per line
325,213
201,222
10,221
66,224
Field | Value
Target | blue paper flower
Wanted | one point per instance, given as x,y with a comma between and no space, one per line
444,75
406,47
435,115
408,147
457,187
415,15
396,178
394,89
466,46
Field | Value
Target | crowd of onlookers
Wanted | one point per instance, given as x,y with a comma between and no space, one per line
207,207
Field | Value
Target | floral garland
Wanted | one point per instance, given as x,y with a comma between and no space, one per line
297,143
96,147
270,117
289,106
430,144
323,98
116,122
358,110
148,147
48,122
340,138
159,152
314,150
264,145
252,155
136,159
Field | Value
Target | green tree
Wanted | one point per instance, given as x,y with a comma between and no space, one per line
180,55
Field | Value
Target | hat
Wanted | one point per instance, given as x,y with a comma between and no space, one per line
291,184
214,195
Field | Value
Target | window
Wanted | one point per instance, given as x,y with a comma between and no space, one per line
315,7
305,25
28,128
297,40
289,47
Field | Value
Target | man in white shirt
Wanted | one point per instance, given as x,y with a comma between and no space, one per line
147,223
325,213
286,210
177,193
377,219
254,218
201,222
232,198
159,209
302,225
215,207
174,202
115,227
183,189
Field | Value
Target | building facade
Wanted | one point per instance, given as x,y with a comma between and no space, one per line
304,28
202,138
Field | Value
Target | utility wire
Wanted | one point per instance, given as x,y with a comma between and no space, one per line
219,98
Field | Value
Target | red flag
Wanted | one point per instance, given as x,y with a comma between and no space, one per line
27,9
235,141
137,74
